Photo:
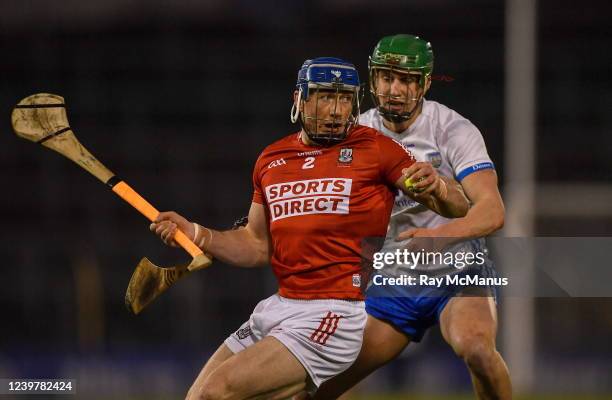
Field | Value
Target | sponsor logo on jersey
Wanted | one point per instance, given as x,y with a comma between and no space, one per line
474,168
403,202
312,196
435,158
277,163
485,165
310,153
346,155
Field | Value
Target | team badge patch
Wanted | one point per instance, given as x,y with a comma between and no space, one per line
435,159
346,155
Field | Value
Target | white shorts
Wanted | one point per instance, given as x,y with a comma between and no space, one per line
324,335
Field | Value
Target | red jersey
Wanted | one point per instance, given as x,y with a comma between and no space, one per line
321,203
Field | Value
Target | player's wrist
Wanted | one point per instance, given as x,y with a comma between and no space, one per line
196,232
441,191
203,236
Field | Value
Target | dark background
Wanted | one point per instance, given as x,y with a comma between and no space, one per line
179,99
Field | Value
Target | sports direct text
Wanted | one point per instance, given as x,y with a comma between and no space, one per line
412,259
313,196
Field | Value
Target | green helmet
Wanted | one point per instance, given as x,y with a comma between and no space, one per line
402,53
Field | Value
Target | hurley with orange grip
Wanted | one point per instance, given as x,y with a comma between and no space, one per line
42,118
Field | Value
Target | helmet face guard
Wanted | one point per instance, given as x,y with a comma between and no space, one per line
402,54
383,98
331,83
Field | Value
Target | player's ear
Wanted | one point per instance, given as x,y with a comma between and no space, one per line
427,84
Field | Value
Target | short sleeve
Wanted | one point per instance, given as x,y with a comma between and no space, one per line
393,158
258,196
465,149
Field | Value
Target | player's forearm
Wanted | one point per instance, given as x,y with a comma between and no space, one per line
237,247
451,199
483,218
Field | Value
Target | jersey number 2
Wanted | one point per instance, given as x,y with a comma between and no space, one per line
308,163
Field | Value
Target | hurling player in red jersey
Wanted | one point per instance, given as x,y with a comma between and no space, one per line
317,195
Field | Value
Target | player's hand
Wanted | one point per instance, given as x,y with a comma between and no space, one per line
425,178
415,233
423,239
167,223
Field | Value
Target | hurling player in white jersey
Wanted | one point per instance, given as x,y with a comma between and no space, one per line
400,76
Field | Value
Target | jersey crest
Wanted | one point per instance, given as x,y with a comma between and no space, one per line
435,158
346,155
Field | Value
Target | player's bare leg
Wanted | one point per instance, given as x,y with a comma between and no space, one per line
265,370
221,355
381,343
469,325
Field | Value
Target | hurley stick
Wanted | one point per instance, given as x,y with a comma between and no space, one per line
41,118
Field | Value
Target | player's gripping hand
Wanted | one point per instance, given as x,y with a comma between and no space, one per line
422,179
424,239
415,233
167,223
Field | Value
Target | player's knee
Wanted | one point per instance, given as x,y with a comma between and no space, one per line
476,350
216,388
209,393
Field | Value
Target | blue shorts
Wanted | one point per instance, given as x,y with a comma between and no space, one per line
414,310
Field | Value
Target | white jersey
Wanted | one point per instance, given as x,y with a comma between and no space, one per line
456,149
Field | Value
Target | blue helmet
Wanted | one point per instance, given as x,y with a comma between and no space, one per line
326,73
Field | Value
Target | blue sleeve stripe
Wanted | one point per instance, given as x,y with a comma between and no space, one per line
474,168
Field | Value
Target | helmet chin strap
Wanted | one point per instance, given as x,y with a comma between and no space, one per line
295,108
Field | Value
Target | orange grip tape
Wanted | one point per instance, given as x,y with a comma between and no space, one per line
128,194
187,244
135,200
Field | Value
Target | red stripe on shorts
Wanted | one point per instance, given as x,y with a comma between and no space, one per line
328,327
319,330
335,326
